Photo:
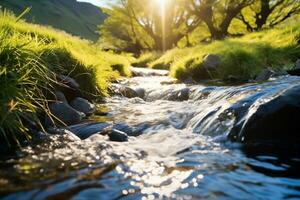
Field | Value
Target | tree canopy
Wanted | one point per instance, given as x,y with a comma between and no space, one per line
136,25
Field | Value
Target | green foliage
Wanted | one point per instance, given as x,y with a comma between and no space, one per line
241,57
136,25
30,58
74,17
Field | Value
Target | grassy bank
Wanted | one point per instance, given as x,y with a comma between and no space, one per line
242,57
30,58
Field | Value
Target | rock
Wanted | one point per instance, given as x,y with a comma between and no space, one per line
276,121
189,80
179,95
68,81
281,73
85,130
61,131
265,75
83,105
69,87
297,64
296,70
117,136
124,128
64,113
211,61
128,92
60,97
140,92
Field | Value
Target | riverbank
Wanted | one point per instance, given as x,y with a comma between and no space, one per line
159,139
33,59
241,58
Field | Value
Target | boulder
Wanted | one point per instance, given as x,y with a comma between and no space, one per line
211,61
128,92
265,75
83,105
63,114
275,121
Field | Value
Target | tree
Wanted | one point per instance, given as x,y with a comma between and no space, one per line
147,25
268,13
217,14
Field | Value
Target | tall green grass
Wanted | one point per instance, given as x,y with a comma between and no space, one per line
242,57
30,58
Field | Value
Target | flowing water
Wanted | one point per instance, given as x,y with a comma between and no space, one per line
180,150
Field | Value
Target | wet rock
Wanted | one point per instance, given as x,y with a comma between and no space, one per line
297,64
179,95
140,92
68,81
275,121
85,130
117,136
64,114
211,61
83,105
296,70
281,73
189,80
265,75
124,128
60,97
128,92
61,131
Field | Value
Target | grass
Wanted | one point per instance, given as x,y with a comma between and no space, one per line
145,58
31,56
77,18
242,57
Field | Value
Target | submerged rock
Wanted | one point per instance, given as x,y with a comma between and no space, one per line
63,113
83,105
275,121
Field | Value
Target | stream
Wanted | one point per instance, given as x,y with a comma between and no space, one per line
178,148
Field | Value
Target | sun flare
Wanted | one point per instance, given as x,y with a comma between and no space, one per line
162,4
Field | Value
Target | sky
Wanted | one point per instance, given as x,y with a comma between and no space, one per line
104,3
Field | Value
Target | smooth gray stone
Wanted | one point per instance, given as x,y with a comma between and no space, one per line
85,130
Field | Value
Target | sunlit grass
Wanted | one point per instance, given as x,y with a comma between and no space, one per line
31,56
242,57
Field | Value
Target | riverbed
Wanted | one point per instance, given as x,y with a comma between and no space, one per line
179,148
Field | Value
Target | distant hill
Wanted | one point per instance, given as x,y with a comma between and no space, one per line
77,18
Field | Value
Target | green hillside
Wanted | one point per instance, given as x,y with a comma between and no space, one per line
77,18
